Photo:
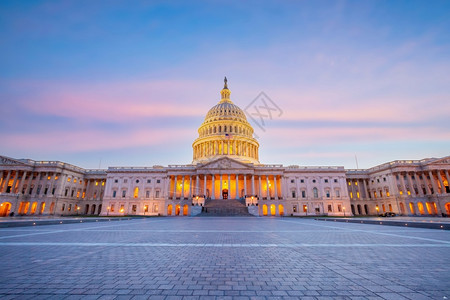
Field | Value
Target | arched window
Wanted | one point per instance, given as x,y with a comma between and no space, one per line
315,193
225,128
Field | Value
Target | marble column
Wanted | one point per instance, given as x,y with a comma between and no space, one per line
213,181
5,185
245,185
410,183
13,188
260,187
205,182
221,187
182,188
174,187
190,186
22,181
433,182
441,182
267,188
275,185
253,184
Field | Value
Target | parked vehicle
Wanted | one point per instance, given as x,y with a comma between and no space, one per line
387,214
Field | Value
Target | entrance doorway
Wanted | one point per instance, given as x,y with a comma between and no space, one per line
225,194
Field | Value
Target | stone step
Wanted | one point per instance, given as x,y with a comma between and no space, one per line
225,207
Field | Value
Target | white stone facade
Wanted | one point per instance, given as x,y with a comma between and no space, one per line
225,166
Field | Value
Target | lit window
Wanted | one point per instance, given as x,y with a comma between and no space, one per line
74,181
356,182
103,183
388,194
69,179
349,183
305,208
78,194
357,194
84,194
112,207
96,183
48,178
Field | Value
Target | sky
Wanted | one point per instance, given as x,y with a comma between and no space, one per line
128,83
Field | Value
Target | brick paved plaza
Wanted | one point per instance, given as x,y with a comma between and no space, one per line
220,258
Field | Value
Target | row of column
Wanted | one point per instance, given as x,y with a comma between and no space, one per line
354,191
42,181
218,129
434,185
177,187
225,147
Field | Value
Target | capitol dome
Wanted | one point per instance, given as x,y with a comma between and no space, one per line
225,132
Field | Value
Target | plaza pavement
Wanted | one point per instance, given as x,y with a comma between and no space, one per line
224,258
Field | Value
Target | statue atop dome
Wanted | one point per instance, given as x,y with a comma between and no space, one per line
225,92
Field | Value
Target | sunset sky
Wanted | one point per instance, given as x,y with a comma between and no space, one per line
127,83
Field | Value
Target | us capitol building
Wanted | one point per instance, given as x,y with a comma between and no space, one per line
224,178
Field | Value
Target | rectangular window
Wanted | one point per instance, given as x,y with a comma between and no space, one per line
302,181
292,180
147,194
124,193
335,181
326,180
84,194
53,191
125,180
330,208
328,194
293,194
114,194
158,181
45,190
338,193
112,207
339,208
294,208
116,180
145,208
70,207
73,193
134,208
122,208
78,194
155,208
157,194
149,181
305,208
63,207
303,194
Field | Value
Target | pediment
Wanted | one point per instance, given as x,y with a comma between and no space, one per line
440,161
4,160
224,164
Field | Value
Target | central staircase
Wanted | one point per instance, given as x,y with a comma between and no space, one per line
225,207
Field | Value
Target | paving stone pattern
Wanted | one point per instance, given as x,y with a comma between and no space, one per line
224,258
